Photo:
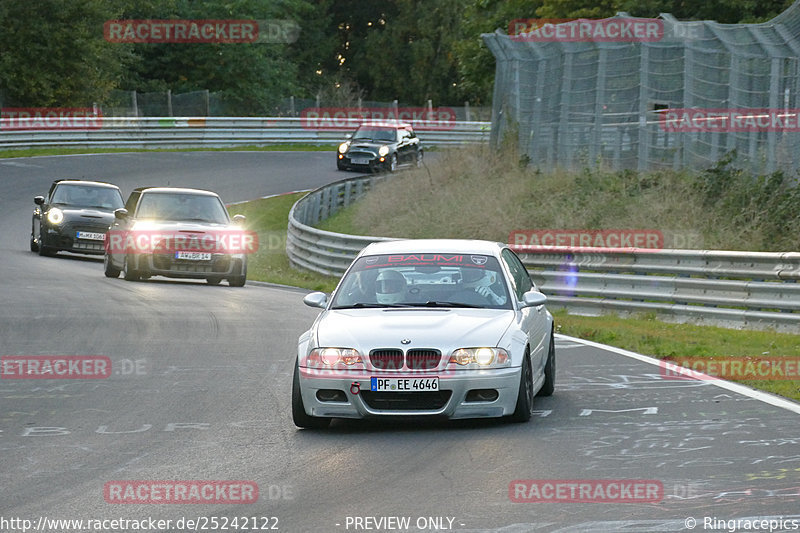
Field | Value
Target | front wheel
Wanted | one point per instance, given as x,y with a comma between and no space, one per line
45,250
419,158
128,272
299,416
524,409
34,246
241,279
108,268
393,163
549,370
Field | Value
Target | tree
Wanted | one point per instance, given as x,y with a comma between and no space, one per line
52,53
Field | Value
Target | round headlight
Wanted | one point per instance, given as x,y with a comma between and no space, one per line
383,150
484,356
461,357
343,147
55,216
329,356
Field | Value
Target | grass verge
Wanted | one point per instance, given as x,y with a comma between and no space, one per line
268,217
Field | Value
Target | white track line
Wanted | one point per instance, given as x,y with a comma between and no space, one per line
762,396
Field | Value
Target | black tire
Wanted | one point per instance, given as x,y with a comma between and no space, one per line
419,158
549,370
393,163
524,409
34,246
241,279
299,416
45,250
109,269
129,273
213,281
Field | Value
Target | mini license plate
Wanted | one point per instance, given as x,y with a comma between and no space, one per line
360,161
91,236
192,256
404,384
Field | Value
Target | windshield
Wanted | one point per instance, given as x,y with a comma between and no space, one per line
87,196
182,207
376,134
423,280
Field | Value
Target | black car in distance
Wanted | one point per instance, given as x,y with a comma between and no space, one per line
74,217
377,146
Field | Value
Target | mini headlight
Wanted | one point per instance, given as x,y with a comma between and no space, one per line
55,216
343,147
383,150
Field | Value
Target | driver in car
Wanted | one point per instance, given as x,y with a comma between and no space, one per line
481,281
390,287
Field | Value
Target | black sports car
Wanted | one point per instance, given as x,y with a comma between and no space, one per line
380,146
74,217
178,233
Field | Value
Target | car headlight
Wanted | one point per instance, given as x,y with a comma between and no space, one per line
343,147
331,357
383,150
481,357
55,216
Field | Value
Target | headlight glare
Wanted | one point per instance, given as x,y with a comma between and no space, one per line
383,150
55,216
343,147
481,357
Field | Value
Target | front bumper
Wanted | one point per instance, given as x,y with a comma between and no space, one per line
220,265
68,241
373,161
452,402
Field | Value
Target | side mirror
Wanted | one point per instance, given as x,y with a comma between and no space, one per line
533,298
121,213
239,219
38,200
316,299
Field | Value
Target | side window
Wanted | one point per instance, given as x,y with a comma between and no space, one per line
130,205
519,274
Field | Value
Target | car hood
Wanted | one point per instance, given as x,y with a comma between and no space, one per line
445,329
373,146
88,214
182,226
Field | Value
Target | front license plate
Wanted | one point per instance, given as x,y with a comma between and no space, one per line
193,256
91,236
360,161
404,384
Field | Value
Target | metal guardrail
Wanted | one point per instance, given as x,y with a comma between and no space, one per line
728,288
212,132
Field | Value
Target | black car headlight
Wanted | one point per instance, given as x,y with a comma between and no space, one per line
55,216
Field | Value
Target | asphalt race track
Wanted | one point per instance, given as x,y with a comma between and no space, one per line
200,391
